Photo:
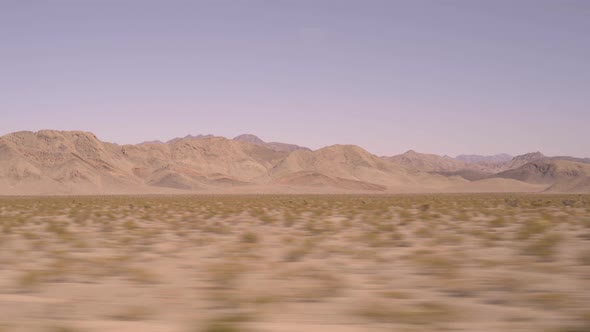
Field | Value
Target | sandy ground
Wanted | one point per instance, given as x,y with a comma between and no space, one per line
455,185
445,262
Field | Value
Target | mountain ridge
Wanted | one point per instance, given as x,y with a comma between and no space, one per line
50,162
475,158
277,146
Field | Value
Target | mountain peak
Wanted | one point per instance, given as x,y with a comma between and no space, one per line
249,138
174,140
530,156
151,142
526,158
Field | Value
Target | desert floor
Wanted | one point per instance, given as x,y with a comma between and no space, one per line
477,262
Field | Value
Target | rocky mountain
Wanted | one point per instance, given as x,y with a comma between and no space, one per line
56,162
52,162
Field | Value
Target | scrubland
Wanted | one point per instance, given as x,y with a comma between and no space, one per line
478,262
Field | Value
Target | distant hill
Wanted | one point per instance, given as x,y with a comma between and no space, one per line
442,165
564,174
427,162
559,175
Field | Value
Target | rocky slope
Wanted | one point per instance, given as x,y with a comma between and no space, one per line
276,146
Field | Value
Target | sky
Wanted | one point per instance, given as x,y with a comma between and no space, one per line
441,76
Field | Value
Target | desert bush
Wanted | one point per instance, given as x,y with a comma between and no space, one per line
530,228
584,258
544,248
421,314
249,237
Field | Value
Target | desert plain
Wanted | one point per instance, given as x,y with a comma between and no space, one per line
213,263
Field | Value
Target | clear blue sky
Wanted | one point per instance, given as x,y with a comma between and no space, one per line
438,76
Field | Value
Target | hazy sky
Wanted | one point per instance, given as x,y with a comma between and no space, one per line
438,76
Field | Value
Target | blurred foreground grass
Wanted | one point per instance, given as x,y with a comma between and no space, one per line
485,262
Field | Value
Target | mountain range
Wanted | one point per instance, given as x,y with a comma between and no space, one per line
50,162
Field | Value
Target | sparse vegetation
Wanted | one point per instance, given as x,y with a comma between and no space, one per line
399,262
